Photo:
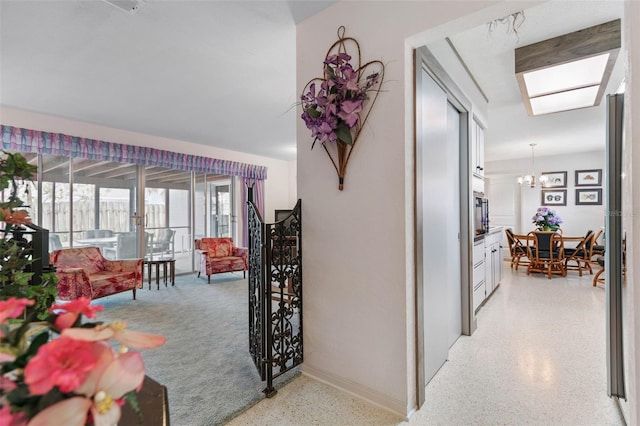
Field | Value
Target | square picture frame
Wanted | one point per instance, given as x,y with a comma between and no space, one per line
554,197
589,197
554,179
591,177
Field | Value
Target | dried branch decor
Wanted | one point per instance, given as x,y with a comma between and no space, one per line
336,111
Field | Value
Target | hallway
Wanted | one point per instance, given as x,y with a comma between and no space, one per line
538,357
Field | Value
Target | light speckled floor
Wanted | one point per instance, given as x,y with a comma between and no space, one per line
537,358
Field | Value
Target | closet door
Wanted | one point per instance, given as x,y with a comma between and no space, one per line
452,203
438,222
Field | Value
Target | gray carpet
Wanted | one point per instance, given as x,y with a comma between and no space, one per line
205,364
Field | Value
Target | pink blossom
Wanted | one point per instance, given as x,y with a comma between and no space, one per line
6,357
69,412
15,217
13,308
108,382
62,362
6,385
118,331
7,418
72,310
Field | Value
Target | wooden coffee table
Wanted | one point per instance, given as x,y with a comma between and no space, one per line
154,405
169,264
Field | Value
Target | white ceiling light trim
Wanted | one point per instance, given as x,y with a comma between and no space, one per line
567,72
563,101
573,75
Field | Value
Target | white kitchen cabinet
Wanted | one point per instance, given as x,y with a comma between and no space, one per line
479,273
493,261
477,149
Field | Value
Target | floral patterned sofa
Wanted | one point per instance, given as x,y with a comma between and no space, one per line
83,271
217,255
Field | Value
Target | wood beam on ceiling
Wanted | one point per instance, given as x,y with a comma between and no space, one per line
53,163
214,178
106,169
31,158
167,180
80,164
582,44
125,172
166,172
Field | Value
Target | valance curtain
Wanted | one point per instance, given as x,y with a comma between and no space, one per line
35,141
258,200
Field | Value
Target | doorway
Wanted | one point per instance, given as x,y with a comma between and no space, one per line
510,215
220,209
441,140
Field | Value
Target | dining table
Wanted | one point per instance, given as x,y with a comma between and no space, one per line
572,240
569,244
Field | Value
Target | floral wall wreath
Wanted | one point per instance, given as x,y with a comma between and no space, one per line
336,111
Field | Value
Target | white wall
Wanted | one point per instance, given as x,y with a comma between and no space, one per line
277,185
293,183
358,243
577,219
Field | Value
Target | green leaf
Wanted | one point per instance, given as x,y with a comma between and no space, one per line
132,400
313,112
38,341
344,134
330,73
19,396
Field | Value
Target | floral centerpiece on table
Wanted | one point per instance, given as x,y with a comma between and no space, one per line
332,105
64,372
547,219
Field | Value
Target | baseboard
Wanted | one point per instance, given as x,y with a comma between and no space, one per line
369,395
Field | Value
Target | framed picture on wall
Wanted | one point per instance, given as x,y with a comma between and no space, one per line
554,197
589,177
554,179
589,197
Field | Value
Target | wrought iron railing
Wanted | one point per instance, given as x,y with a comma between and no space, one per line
275,294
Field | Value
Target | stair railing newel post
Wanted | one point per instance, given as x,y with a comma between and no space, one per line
338,111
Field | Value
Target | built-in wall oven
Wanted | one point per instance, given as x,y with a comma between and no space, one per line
481,214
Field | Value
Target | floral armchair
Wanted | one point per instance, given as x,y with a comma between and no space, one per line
83,271
217,255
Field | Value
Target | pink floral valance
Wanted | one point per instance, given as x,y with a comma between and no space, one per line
35,141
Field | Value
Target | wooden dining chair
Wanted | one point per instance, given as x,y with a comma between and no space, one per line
596,249
517,250
579,258
596,278
545,250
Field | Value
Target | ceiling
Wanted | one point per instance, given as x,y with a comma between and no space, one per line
222,73
219,73
490,57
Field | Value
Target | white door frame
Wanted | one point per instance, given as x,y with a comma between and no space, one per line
425,61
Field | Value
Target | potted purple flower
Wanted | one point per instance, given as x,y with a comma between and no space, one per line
547,219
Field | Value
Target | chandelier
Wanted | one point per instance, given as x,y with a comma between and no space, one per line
530,179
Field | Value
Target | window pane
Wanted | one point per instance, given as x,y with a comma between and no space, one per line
56,214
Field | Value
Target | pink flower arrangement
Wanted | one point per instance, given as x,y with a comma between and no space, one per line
78,378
